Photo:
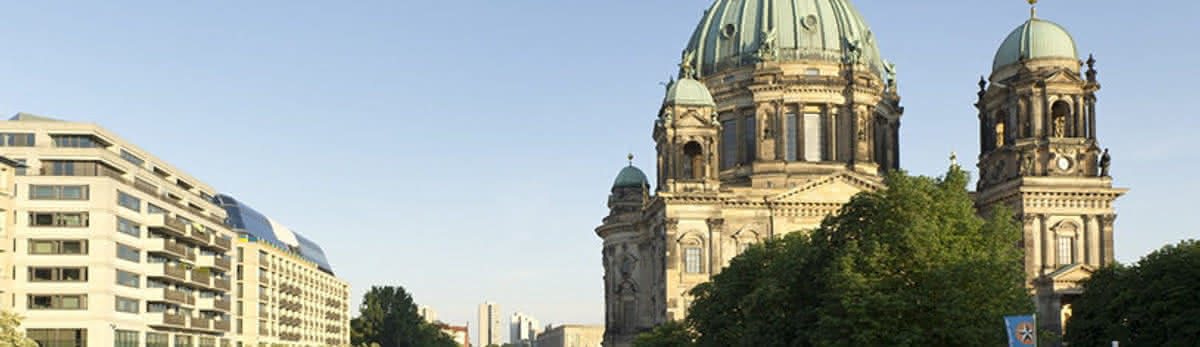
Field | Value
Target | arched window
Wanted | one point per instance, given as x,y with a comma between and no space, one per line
1061,116
691,260
693,160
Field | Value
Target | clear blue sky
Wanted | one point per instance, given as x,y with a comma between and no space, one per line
464,149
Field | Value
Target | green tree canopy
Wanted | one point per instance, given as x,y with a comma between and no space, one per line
1155,302
10,332
912,265
388,317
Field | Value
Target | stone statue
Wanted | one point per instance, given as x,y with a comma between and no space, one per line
766,49
1105,161
1027,165
1060,126
686,70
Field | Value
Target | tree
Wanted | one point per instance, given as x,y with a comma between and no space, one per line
1155,302
671,334
911,265
10,332
388,317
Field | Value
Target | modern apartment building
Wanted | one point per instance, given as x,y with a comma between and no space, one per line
571,335
489,324
286,291
109,245
523,329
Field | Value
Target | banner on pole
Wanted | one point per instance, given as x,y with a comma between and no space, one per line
1022,330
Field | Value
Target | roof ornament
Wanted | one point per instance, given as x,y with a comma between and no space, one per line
1032,8
766,48
982,87
1091,71
953,159
853,51
630,157
686,70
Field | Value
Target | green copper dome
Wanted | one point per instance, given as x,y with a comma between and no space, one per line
687,91
740,32
630,177
1035,38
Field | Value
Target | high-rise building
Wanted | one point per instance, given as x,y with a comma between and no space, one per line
113,246
427,313
8,169
489,324
522,328
785,109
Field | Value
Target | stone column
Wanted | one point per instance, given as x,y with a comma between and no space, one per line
830,133
1079,126
1093,236
671,227
716,227
1106,238
1048,244
1031,243
1091,105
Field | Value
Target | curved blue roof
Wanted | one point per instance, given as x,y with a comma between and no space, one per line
245,219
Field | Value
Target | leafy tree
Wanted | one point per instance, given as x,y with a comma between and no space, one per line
10,332
388,318
671,334
1155,302
911,265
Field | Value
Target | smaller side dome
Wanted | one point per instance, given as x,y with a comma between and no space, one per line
631,177
1035,38
690,92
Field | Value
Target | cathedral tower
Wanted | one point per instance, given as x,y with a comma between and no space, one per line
1040,156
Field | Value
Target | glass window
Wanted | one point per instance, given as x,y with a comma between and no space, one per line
750,138
128,279
154,209
157,340
128,227
57,302
16,140
58,337
183,341
129,201
131,158
58,274
127,305
72,247
812,137
692,259
1066,254
129,253
58,219
21,168
74,141
792,144
125,338
729,141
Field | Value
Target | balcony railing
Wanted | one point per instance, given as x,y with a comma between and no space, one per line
201,277
168,319
168,224
200,323
221,284
222,263
169,271
220,325
222,242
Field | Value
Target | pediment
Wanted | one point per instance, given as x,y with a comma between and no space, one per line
691,119
1062,76
1066,279
836,188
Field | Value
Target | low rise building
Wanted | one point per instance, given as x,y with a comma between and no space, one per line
572,335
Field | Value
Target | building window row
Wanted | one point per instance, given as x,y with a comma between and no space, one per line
129,253
58,192
128,305
58,219
63,247
57,301
75,141
129,227
58,337
129,201
58,274
128,279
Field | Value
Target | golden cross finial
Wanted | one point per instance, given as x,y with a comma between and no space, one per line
630,157
953,155
1032,8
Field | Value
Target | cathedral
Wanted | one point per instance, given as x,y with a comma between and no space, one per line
784,109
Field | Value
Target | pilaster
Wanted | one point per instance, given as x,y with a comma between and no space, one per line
716,227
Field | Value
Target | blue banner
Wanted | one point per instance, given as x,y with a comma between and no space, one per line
1022,330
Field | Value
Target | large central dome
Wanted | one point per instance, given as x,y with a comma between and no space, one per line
738,32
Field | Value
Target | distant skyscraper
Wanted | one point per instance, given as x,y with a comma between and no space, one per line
522,328
428,313
489,324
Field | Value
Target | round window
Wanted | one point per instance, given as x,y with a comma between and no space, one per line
728,31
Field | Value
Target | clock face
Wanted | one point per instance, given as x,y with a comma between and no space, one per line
1064,163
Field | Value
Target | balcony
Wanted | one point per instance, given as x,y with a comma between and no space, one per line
222,284
167,224
262,296
220,325
164,319
169,295
200,323
199,235
164,270
223,243
169,247
214,304
201,277
214,261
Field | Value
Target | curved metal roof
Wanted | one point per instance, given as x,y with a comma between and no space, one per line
245,219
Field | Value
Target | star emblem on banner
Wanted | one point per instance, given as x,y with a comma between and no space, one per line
1025,333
